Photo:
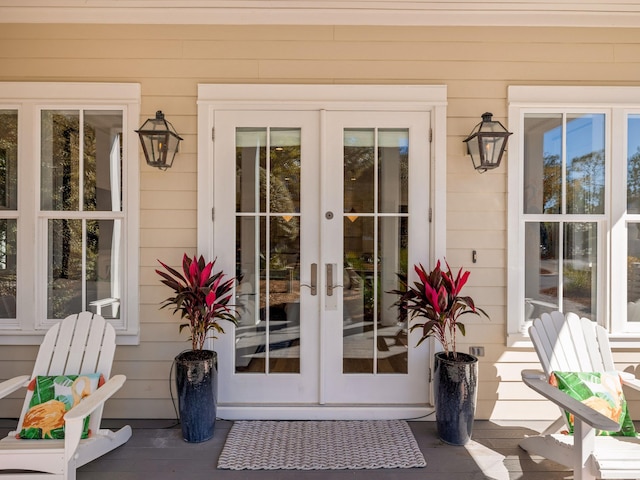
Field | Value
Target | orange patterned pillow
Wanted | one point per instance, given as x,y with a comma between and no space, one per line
52,397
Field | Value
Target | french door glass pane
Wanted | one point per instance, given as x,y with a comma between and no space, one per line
268,249
251,154
375,249
8,159
8,271
393,170
633,164
391,333
102,160
283,306
585,163
358,294
284,178
359,170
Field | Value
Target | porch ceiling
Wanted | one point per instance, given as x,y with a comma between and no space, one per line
576,13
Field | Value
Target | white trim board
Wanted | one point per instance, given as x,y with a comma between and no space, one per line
589,13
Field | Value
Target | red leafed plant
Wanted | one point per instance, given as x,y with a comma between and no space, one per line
436,298
201,296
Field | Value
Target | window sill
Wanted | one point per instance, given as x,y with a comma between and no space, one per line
17,337
618,341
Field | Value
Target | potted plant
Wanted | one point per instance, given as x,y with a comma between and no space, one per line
434,303
201,296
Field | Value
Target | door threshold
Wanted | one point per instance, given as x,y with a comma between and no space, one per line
326,412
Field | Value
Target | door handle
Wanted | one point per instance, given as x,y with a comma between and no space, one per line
314,280
330,285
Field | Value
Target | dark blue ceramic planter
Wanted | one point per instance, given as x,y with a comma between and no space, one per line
455,391
197,387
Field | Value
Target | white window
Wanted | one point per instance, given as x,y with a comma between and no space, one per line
68,206
574,206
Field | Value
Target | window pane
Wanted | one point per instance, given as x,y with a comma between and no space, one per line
359,170
64,268
580,269
8,159
251,145
393,170
633,164
60,152
8,252
104,266
585,164
542,163
633,272
103,160
542,268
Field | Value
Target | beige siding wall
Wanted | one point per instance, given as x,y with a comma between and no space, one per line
476,64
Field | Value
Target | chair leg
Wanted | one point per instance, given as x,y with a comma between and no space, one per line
584,438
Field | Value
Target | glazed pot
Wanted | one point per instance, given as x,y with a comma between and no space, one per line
197,388
455,392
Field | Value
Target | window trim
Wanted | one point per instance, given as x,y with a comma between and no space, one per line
617,102
29,98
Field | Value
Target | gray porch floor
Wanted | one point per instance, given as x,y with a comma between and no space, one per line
156,451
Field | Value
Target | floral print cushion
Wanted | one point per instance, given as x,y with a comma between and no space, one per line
52,397
601,391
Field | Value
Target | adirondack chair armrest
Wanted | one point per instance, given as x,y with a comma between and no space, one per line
74,418
581,411
93,401
630,380
13,384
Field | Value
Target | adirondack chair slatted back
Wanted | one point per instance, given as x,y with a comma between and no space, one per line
568,343
79,344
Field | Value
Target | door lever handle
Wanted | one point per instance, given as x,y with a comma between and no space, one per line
314,280
330,285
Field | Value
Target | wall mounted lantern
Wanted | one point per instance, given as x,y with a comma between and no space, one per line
159,141
486,143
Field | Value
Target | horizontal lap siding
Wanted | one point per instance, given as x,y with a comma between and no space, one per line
476,64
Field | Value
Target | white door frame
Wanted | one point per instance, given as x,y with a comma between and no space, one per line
418,98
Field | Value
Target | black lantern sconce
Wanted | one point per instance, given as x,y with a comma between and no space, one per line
486,143
159,141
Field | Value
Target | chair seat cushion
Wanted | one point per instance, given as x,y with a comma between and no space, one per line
52,397
601,391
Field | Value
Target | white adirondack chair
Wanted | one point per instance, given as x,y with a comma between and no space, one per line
80,344
572,344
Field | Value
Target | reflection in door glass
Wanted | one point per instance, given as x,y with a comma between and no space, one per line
375,249
268,250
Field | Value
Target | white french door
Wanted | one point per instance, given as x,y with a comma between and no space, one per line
375,179
318,213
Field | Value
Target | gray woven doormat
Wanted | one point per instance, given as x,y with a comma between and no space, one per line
320,445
